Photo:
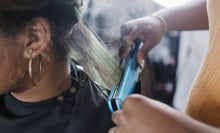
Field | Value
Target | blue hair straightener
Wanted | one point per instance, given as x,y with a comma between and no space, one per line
128,80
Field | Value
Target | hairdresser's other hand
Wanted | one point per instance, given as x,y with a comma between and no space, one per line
149,29
142,115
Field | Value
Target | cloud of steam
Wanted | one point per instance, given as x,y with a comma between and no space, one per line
106,17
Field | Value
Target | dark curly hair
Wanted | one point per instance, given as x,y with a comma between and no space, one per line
61,19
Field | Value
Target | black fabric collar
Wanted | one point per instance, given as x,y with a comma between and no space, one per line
19,108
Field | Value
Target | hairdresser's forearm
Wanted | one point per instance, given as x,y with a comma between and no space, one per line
192,126
191,16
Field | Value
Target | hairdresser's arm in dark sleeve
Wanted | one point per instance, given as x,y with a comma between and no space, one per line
150,30
142,115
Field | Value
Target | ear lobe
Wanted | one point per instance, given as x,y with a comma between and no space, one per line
28,53
38,37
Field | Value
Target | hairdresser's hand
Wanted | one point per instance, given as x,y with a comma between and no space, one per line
149,29
142,115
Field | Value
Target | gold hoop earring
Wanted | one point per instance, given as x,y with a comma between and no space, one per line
30,70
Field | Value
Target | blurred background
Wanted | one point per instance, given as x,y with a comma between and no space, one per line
171,66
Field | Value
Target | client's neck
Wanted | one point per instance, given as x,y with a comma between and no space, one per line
54,79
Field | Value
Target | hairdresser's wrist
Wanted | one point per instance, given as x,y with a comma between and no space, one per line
162,21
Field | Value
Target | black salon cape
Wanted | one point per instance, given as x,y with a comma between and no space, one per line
83,112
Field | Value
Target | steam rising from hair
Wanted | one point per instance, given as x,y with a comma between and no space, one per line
87,50
107,16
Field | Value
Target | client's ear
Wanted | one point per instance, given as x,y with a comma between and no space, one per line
37,37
